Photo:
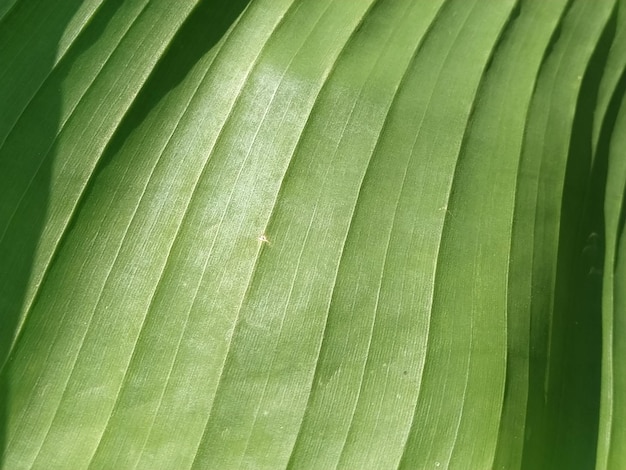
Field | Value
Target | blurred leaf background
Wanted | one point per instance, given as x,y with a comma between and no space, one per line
319,234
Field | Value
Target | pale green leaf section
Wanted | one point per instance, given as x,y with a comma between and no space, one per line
382,75
94,99
318,234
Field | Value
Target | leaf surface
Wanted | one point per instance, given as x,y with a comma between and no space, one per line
329,234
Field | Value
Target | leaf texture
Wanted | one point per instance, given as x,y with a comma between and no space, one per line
326,234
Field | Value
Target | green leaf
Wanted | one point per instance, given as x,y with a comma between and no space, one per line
312,234
611,451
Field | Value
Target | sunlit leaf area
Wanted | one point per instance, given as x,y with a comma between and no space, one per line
313,234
